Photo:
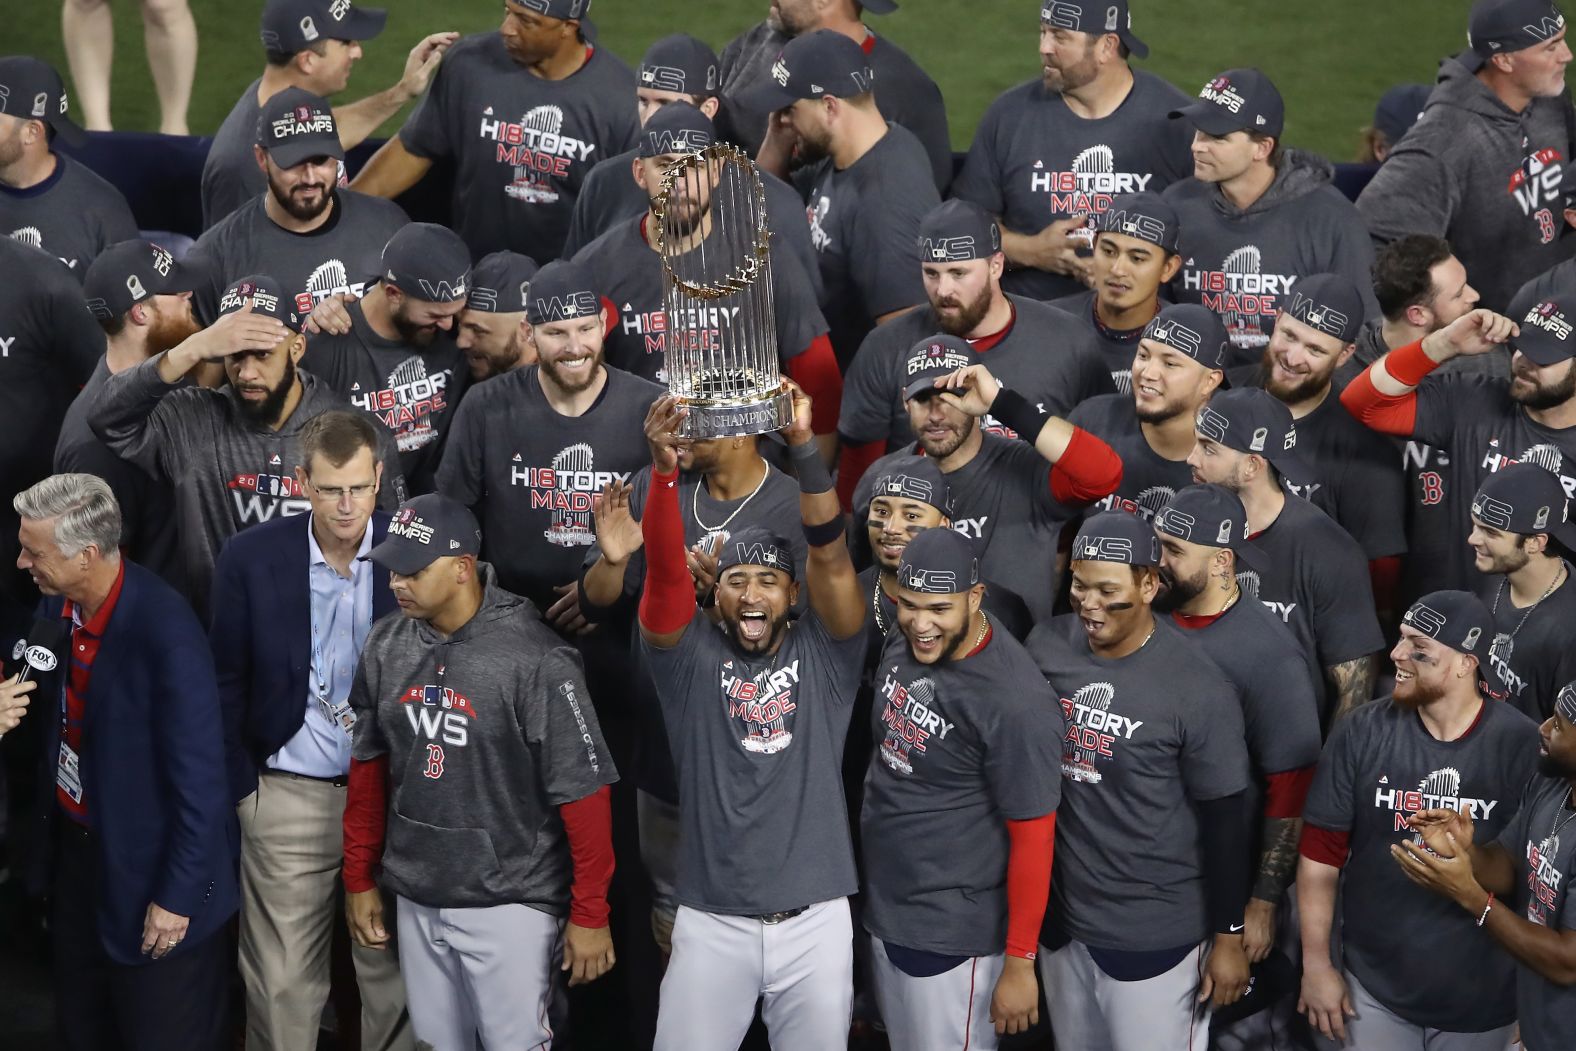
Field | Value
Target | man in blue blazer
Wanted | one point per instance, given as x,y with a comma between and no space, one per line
137,844
293,601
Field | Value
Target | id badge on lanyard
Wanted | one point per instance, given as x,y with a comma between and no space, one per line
341,714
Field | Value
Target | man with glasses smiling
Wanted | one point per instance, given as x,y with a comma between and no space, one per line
298,602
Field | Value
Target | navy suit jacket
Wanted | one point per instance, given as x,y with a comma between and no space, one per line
262,638
153,770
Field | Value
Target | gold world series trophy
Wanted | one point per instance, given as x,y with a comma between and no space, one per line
721,342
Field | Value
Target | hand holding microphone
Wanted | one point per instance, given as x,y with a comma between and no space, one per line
14,691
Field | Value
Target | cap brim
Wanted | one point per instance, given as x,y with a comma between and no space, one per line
1209,118
1490,674
399,556
1134,45
293,153
183,278
587,29
769,96
69,130
879,7
1542,350
922,385
1252,555
1292,467
1472,60
364,23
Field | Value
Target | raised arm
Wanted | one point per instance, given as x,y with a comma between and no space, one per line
667,601
835,594
361,118
390,171
1385,396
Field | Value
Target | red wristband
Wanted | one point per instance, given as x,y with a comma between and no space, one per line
1409,364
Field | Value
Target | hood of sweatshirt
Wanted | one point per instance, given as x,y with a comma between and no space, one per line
1300,174
1458,88
497,609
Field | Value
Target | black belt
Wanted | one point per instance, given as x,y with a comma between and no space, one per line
338,782
778,917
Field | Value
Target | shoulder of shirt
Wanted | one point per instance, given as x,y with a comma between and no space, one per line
1029,93
1103,408
1187,192
231,226
886,56
371,206
1311,518
73,169
1509,720
629,385
610,242
608,65
897,140
1154,84
488,47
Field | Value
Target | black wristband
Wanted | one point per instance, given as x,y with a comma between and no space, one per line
1014,410
810,468
828,532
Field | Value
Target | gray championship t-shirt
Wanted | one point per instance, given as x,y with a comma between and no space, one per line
533,476
521,145
628,273
1381,766
1148,735
864,223
1044,355
758,745
1149,480
1544,853
412,390
1117,346
1532,648
1002,501
230,176
963,747
1035,161
344,255
74,214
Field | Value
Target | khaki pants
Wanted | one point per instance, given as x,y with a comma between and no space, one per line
291,851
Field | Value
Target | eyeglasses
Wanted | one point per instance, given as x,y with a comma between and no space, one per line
339,492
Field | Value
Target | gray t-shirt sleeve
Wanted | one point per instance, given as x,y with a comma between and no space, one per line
561,728
1023,761
1343,616
460,473
883,244
1332,799
980,179
866,411
799,319
129,414
366,739
429,130
1214,756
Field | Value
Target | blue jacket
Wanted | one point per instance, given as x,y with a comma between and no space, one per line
262,638
153,770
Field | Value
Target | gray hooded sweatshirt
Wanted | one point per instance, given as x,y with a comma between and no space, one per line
1483,177
487,732
1243,262
227,472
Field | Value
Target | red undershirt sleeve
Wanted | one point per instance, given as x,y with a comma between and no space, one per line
366,814
1324,845
1087,471
1383,412
1028,881
667,601
816,371
1287,791
852,463
588,824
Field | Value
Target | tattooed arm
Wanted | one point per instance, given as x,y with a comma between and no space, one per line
1352,684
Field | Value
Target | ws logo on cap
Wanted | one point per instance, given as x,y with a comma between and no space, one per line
442,291
1425,619
565,308
951,249
1176,335
1212,425
1104,549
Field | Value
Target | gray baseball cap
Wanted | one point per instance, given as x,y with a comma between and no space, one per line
427,262
931,358
125,274
756,546
31,89
915,479
957,231
1525,498
295,125
501,283
1461,621
1328,303
289,26
1213,516
1116,536
679,63
938,561
1097,17
815,65
266,296
1252,420
425,529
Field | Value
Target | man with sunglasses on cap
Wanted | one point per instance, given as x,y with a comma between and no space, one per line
627,265
230,453
1135,256
478,793
1313,577
908,95
1051,155
1522,534
493,331
523,113
1257,216
1029,346
1203,534
1145,928
1179,363
309,45
1012,497
392,352
968,737
317,238
1413,971
1518,886
1478,424
756,707
1483,165
47,199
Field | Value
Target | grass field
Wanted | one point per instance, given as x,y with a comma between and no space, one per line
1331,60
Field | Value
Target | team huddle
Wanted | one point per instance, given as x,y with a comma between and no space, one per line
1153,628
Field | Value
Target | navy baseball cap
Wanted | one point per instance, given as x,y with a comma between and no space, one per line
1328,303
561,291
1565,702
676,128
1499,27
956,231
1116,536
813,66
427,262
1252,420
289,26
1213,516
938,561
30,89
1547,327
1525,498
1094,16
125,274
295,125
1146,216
1190,329
916,479
1461,621
930,358
679,63
755,546
1236,100
1399,108
501,283
425,529
266,296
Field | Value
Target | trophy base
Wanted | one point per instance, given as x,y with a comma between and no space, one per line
751,416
